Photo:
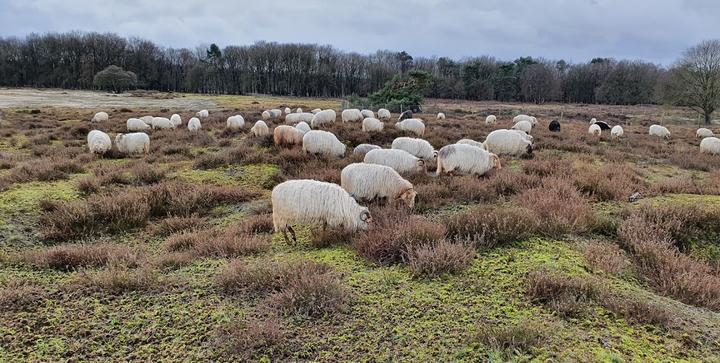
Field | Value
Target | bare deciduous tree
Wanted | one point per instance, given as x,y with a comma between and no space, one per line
695,80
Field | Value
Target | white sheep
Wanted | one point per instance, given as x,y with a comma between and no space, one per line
418,147
260,129
659,131
372,124
384,114
402,161
617,131
136,124
323,117
466,159
414,125
194,124
98,142
294,118
235,122
490,120
593,120
315,110
703,132
100,117
527,118
322,142
351,115
298,110
710,145
272,114
266,115
147,120
176,119
471,142
363,149
202,114
162,123
523,125
524,134
367,182
288,110
367,113
287,135
314,202
440,116
303,126
133,144
594,129
508,142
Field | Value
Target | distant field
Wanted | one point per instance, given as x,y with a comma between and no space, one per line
171,257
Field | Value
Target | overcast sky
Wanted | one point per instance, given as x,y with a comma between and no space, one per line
653,30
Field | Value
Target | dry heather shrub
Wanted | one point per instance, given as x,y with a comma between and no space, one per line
20,295
507,182
508,339
545,166
264,276
605,256
311,295
241,154
254,224
44,170
170,225
322,238
610,182
561,293
683,222
71,257
638,311
439,258
115,280
144,173
688,185
491,226
87,186
218,244
173,260
246,337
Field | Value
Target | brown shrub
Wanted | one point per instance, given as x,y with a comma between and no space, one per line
87,186
439,258
508,339
329,237
254,224
310,295
610,182
563,294
20,295
170,225
246,337
491,226
214,243
605,256
71,257
173,260
115,280
264,276
44,170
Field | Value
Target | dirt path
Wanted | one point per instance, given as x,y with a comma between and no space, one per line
36,98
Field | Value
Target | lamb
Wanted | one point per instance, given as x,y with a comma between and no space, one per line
322,142
260,129
402,161
372,181
162,123
303,126
288,110
440,116
202,114
351,115
176,120
523,126
310,202
363,149
466,159
471,142
147,120
414,125
194,124
323,117
659,131
315,110
133,144
418,147
136,124
367,113
287,135
554,126
98,142
372,124
268,115
294,118
508,142
100,117
594,129
490,120
298,110
405,115
616,132
527,118
703,132
235,122
384,114
710,145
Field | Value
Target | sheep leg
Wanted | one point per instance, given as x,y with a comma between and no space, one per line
285,236
292,232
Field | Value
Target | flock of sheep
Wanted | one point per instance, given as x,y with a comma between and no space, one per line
380,175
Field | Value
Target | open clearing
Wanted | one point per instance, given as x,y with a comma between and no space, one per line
171,256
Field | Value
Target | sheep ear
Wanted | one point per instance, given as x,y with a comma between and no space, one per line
435,153
421,162
365,215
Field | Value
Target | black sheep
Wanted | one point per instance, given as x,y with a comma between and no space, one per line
554,126
603,125
405,115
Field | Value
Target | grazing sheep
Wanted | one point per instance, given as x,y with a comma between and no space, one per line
303,126
162,123
703,132
287,135
315,110
298,110
372,181
363,149
490,120
523,125
616,132
194,124
236,122
440,116
147,120
466,159
710,145
402,161
323,117
314,202
135,143
322,142
414,125
372,124
351,115
260,129
98,142
273,114
176,120
202,114
594,129
418,147
100,117
136,124
471,142
288,110
603,125
294,118
532,120
405,115
554,126
367,113
593,120
659,131
508,142
384,114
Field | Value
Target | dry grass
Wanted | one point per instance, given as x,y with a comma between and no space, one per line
245,337
20,295
439,258
115,280
72,257
513,338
